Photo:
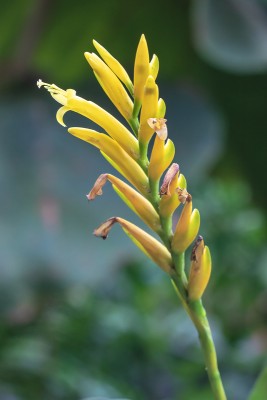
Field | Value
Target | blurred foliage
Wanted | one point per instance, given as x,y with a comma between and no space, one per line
127,337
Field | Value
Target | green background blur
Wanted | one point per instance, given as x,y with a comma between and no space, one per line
82,318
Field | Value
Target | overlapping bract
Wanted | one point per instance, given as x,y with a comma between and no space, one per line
153,198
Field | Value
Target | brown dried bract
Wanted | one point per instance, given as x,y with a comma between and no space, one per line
159,126
197,249
103,229
169,177
97,188
183,195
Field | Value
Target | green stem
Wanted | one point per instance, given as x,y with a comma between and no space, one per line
134,124
197,314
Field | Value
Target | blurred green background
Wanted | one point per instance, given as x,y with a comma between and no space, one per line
82,318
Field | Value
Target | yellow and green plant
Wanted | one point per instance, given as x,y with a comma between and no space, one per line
156,186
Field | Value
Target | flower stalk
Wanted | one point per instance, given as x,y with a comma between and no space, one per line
153,198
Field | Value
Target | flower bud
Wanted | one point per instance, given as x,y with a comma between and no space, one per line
161,157
154,66
111,85
115,66
141,69
200,270
186,228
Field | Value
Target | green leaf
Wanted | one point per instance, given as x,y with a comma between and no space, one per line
260,388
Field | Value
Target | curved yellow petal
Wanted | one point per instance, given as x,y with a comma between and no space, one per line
111,85
127,166
60,114
114,65
147,243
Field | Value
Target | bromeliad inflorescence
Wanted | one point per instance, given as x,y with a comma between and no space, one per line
152,196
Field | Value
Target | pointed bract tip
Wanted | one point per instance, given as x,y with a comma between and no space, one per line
198,248
97,188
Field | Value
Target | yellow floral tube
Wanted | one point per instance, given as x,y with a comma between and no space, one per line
135,201
115,66
200,270
141,72
147,243
127,166
111,85
186,228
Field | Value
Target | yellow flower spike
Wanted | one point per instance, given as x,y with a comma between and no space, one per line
154,66
142,207
186,228
115,66
149,107
161,110
126,165
161,157
200,270
141,72
90,110
147,243
111,85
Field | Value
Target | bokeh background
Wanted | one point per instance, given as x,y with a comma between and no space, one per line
82,318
